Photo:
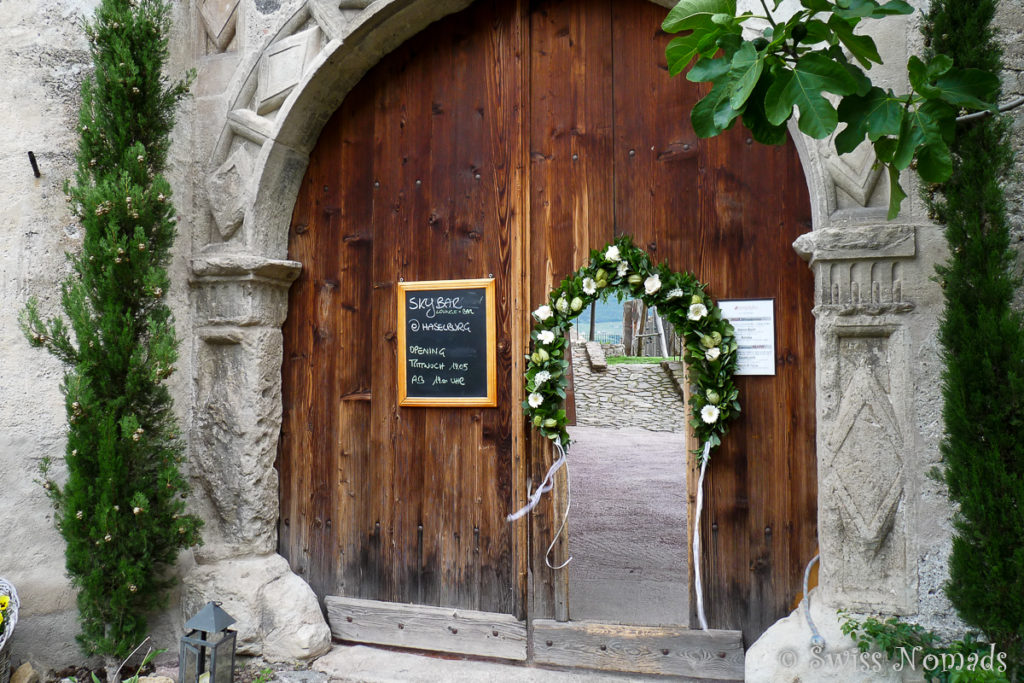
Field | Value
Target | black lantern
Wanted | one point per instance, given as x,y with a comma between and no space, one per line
208,648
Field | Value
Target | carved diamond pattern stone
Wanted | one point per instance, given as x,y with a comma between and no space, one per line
219,18
282,66
867,468
227,191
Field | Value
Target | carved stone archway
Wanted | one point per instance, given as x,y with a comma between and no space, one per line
278,99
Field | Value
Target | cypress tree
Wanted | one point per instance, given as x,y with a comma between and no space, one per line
121,507
983,342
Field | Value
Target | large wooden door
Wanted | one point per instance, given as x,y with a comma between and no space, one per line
509,140
413,178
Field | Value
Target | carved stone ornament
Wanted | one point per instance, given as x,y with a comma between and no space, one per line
867,472
282,66
219,19
227,191
858,271
854,173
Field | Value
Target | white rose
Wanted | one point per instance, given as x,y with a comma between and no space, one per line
623,269
708,413
541,377
542,313
612,254
545,336
536,399
713,353
589,286
652,284
562,304
697,311
674,293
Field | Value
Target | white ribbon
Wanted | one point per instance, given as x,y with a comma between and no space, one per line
696,539
545,486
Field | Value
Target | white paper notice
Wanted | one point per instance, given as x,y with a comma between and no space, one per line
754,322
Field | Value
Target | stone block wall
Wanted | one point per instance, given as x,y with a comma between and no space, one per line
643,396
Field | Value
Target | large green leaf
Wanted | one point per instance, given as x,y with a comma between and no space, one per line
934,163
681,50
873,115
714,114
755,119
969,88
935,119
896,193
689,14
747,65
870,9
817,32
921,75
814,73
817,5
708,69
911,135
861,47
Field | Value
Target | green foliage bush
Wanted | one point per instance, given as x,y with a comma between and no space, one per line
912,647
121,509
795,62
983,341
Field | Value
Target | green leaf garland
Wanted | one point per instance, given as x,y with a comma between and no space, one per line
625,269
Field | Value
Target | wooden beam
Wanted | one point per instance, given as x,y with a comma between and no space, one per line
672,651
445,629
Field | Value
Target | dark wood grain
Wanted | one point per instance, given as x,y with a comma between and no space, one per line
418,172
511,139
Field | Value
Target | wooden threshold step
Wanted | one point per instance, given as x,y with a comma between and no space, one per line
675,651
444,629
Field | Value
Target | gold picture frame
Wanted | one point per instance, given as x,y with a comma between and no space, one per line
428,398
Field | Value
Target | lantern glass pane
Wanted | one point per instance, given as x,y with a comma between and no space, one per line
190,658
224,656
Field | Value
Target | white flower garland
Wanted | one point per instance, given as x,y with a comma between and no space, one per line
625,269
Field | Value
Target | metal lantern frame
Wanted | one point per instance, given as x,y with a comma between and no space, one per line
208,639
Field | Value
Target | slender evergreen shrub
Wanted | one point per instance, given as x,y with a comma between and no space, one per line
121,508
983,341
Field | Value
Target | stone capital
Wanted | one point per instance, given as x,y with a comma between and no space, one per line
238,289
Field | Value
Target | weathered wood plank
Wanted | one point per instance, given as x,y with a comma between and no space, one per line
728,210
571,205
470,632
716,655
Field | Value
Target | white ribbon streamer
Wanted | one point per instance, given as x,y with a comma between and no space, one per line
565,518
698,591
545,486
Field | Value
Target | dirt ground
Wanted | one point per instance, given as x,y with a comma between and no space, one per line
627,526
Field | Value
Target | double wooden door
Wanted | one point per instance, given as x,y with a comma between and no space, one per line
508,140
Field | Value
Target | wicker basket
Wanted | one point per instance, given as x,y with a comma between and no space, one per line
12,620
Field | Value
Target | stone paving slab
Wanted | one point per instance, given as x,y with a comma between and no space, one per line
364,664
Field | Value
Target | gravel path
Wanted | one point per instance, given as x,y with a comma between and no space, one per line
627,526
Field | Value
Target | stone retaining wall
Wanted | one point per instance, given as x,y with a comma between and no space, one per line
642,396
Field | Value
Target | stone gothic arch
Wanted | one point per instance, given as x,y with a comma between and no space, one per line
265,125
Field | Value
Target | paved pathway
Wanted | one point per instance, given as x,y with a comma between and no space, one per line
627,526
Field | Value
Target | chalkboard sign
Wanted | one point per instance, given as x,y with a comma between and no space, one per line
446,343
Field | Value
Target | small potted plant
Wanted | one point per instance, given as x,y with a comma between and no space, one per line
8,619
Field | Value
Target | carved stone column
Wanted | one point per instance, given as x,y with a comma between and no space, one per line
864,415
240,305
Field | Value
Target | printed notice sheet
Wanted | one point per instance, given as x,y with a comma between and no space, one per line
754,322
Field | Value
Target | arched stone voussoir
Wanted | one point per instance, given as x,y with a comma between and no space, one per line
288,124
